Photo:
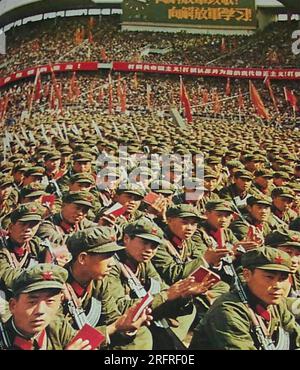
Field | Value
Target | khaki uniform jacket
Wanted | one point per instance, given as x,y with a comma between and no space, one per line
59,333
228,326
51,228
11,266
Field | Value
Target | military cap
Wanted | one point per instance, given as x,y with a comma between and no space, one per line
32,190
281,174
52,156
145,229
26,212
210,174
6,167
82,157
20,167
83,197
213,160
182,211
218,205
65,150
263,200
82,178
131,189
6,181
243,174
93,240
38,277
254,157
35,171
234,164
283,191
283,238
162,187
264,173
267,258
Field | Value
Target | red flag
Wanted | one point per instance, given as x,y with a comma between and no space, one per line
204,96
223,45
38,86
257,102
4,106
119,88
268,84
228,87
91,37
291,98
123,98
103,55
100,95
185,102
241,100
217,105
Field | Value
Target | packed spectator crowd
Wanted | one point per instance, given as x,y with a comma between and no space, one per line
56,40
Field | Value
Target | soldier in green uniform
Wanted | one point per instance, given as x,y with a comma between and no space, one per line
262,182
289,242
35,324
82,163
8,195
92,250
71,218
282,201
133,275
234,319
238,192
257,222
20,249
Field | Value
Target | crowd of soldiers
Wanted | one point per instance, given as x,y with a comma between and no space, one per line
97,213
53,40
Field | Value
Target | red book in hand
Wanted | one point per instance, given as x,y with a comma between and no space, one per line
144,303
87,332
202,272
117,210
151,198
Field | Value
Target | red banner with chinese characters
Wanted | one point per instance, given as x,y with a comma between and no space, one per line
249,73
58,67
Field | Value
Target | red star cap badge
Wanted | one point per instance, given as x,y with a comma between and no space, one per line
47,275
154,231
278,260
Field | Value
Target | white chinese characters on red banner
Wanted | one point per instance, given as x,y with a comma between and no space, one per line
255,73
61,67
250,73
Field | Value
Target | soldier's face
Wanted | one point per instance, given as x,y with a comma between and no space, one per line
22,232
33,312
210,184
18,177
243,184
52,165
218,219
73,213
282,203
141,250
294,254
5,192
183,228
268,286
96,266
260,212
130,201
81,167
30,180
78,186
